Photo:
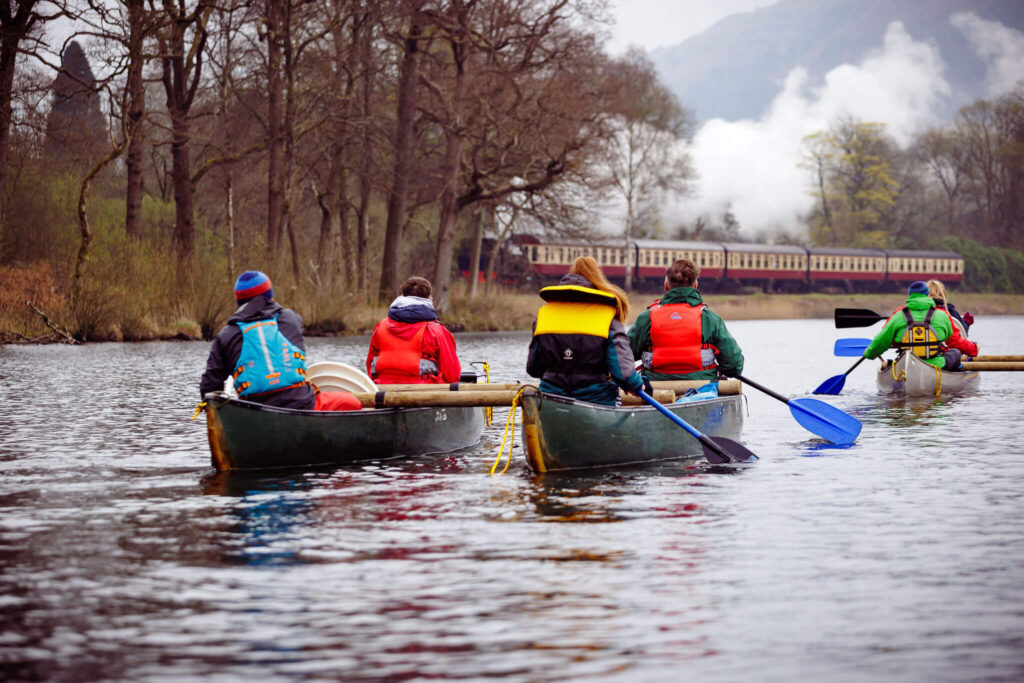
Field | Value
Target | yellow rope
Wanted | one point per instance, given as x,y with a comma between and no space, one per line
198,408
489,410
510,421
938,380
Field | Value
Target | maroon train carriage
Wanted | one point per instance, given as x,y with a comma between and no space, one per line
773,266
654,256
848,268
906,266
552,260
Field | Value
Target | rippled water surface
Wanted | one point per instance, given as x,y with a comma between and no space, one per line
124,556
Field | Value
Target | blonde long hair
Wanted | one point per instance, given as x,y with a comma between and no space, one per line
587,267
937,291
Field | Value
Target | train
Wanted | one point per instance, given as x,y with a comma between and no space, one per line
725,267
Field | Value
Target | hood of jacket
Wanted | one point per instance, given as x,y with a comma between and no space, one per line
576,280
919,302
405,312
256,308
682,295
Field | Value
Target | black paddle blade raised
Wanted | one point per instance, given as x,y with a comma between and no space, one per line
856,317
721,450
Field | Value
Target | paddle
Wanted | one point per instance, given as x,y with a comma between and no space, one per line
833,385
856,317
851,347
817,416
717,449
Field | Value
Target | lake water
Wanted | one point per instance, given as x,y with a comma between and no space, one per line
124,556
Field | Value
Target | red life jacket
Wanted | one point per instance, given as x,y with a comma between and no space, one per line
676,340
399,359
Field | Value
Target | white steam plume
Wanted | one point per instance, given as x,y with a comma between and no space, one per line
754,166
1000,46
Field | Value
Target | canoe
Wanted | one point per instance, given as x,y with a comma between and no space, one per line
561,433
911,376
247,435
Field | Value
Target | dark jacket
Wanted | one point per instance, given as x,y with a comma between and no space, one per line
227,347
713,331
596,367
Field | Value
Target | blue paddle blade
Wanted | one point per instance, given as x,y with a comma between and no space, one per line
826,421
851,347
831,386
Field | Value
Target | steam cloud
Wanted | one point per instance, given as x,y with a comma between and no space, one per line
754,166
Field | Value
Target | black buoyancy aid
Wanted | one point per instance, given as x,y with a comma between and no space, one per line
571,333
268,362
920,337
676,340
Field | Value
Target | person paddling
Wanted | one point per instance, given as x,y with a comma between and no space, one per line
263,348
958,337
410,346
579,346
919,328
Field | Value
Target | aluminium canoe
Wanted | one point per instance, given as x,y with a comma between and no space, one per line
911,376
562,433
247,435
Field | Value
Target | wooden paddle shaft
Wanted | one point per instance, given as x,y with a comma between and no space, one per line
998,359
726,387
1006,367
470,399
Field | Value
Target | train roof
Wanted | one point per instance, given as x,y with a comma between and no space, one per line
846,251
678,245
899,253
764,248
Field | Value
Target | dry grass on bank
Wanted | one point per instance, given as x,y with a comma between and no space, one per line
37,285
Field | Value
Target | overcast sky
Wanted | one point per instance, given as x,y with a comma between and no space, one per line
656,23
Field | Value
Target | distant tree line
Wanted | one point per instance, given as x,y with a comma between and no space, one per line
338,144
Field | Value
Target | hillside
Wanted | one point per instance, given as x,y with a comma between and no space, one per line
735,68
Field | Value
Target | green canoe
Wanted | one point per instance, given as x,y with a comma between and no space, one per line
246,435
562,433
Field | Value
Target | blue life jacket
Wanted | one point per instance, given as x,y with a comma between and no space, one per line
268,361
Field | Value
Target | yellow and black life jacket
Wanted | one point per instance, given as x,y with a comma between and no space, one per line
920,337
570,335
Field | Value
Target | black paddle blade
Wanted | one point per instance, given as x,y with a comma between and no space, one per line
831,386
856,317
731,451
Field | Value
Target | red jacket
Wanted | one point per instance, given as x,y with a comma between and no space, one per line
404,344
958,341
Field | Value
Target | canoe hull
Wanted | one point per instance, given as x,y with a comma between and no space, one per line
246,435
561,433
911,376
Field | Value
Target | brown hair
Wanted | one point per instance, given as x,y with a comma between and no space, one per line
937,291
416,286
588,268
682,273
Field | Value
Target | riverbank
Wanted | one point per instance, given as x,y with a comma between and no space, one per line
33,310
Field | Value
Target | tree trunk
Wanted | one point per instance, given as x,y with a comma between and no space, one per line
184,221
404,121
12,30
363,228
474,252
275,129
136,110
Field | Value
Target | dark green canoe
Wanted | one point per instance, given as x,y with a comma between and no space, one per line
562,433
246,435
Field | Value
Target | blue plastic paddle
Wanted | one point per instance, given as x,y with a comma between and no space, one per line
717,449
818,417
851,347
833,385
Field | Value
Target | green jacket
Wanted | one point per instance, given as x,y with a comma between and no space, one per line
713,331
897,325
